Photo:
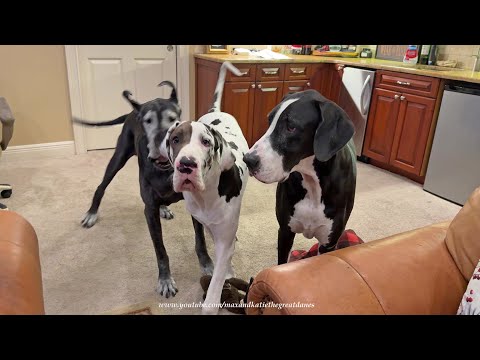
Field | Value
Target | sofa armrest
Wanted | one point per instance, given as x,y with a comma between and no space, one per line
20,272
409,273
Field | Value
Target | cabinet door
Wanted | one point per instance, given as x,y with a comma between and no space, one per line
321,78
335,82
267,95
411,133
238,100
381,125
295,86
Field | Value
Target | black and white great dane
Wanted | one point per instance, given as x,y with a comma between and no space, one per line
308,149
143,131
207,156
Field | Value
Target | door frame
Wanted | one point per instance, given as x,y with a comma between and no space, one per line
77,104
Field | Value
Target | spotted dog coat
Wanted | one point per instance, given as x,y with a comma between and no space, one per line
308,149
207,156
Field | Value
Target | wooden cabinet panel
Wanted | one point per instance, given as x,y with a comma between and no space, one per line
295,86
408,83
267,96
205,82
248,73
336,82
320,79
238,100
411,133
381,125
298,71
270,72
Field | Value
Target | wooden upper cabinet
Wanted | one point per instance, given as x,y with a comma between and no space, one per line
248,73
267,96
381,125
298,71
411,133
270,72
295,86
238,100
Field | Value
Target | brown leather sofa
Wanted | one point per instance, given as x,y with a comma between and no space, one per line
20,272
424,271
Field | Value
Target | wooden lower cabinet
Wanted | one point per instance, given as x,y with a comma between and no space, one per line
238,100
411,133
267,96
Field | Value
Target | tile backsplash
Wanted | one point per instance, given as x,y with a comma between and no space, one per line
461,53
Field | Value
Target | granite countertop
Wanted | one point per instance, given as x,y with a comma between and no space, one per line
456,74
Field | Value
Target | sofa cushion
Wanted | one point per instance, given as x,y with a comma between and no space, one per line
463,236
470,304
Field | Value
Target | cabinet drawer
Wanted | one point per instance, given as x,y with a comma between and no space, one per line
247,70
298,71
412,84
295,86
270,72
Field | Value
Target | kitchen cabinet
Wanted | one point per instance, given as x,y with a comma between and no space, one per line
401,122
251,96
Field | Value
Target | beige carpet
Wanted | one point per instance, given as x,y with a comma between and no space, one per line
112,265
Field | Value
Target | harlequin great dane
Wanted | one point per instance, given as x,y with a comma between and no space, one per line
207,156
144,130
308,149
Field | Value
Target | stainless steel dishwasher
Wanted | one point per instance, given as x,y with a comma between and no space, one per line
453,170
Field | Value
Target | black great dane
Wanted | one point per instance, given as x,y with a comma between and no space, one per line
309,150
143,131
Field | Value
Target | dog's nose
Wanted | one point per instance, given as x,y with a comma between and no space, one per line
252,160
186,165
188,162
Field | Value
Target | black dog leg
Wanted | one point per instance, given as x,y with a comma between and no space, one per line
206,263
285,243
166,285
124,151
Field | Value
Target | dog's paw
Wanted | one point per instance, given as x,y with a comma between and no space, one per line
89,220
207,267
166,213
167,287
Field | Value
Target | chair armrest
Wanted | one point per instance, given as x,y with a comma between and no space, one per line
409,273
20,271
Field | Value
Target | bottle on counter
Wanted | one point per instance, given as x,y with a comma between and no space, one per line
411,55
424,53
432,56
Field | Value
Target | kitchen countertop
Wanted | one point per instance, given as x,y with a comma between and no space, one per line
457,74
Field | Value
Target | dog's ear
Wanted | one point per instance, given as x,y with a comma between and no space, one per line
128,95
173,94
225,157
334,130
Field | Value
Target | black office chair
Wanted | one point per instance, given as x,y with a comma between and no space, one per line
6,132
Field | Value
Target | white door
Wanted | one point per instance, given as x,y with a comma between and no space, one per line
105,71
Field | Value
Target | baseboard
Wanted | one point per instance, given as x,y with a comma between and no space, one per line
53,149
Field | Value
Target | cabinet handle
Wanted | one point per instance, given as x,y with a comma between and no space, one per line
270,71
308,84
298,70
268,89
403,83
295,88
340,67
259,86
253,86
402,97
396,97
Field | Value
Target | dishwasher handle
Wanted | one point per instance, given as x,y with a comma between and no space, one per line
362,103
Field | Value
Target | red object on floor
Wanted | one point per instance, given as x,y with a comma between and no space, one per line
348,238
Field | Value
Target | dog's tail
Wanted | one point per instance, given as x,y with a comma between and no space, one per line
119,120
217,96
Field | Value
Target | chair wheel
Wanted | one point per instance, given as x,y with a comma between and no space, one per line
6,193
